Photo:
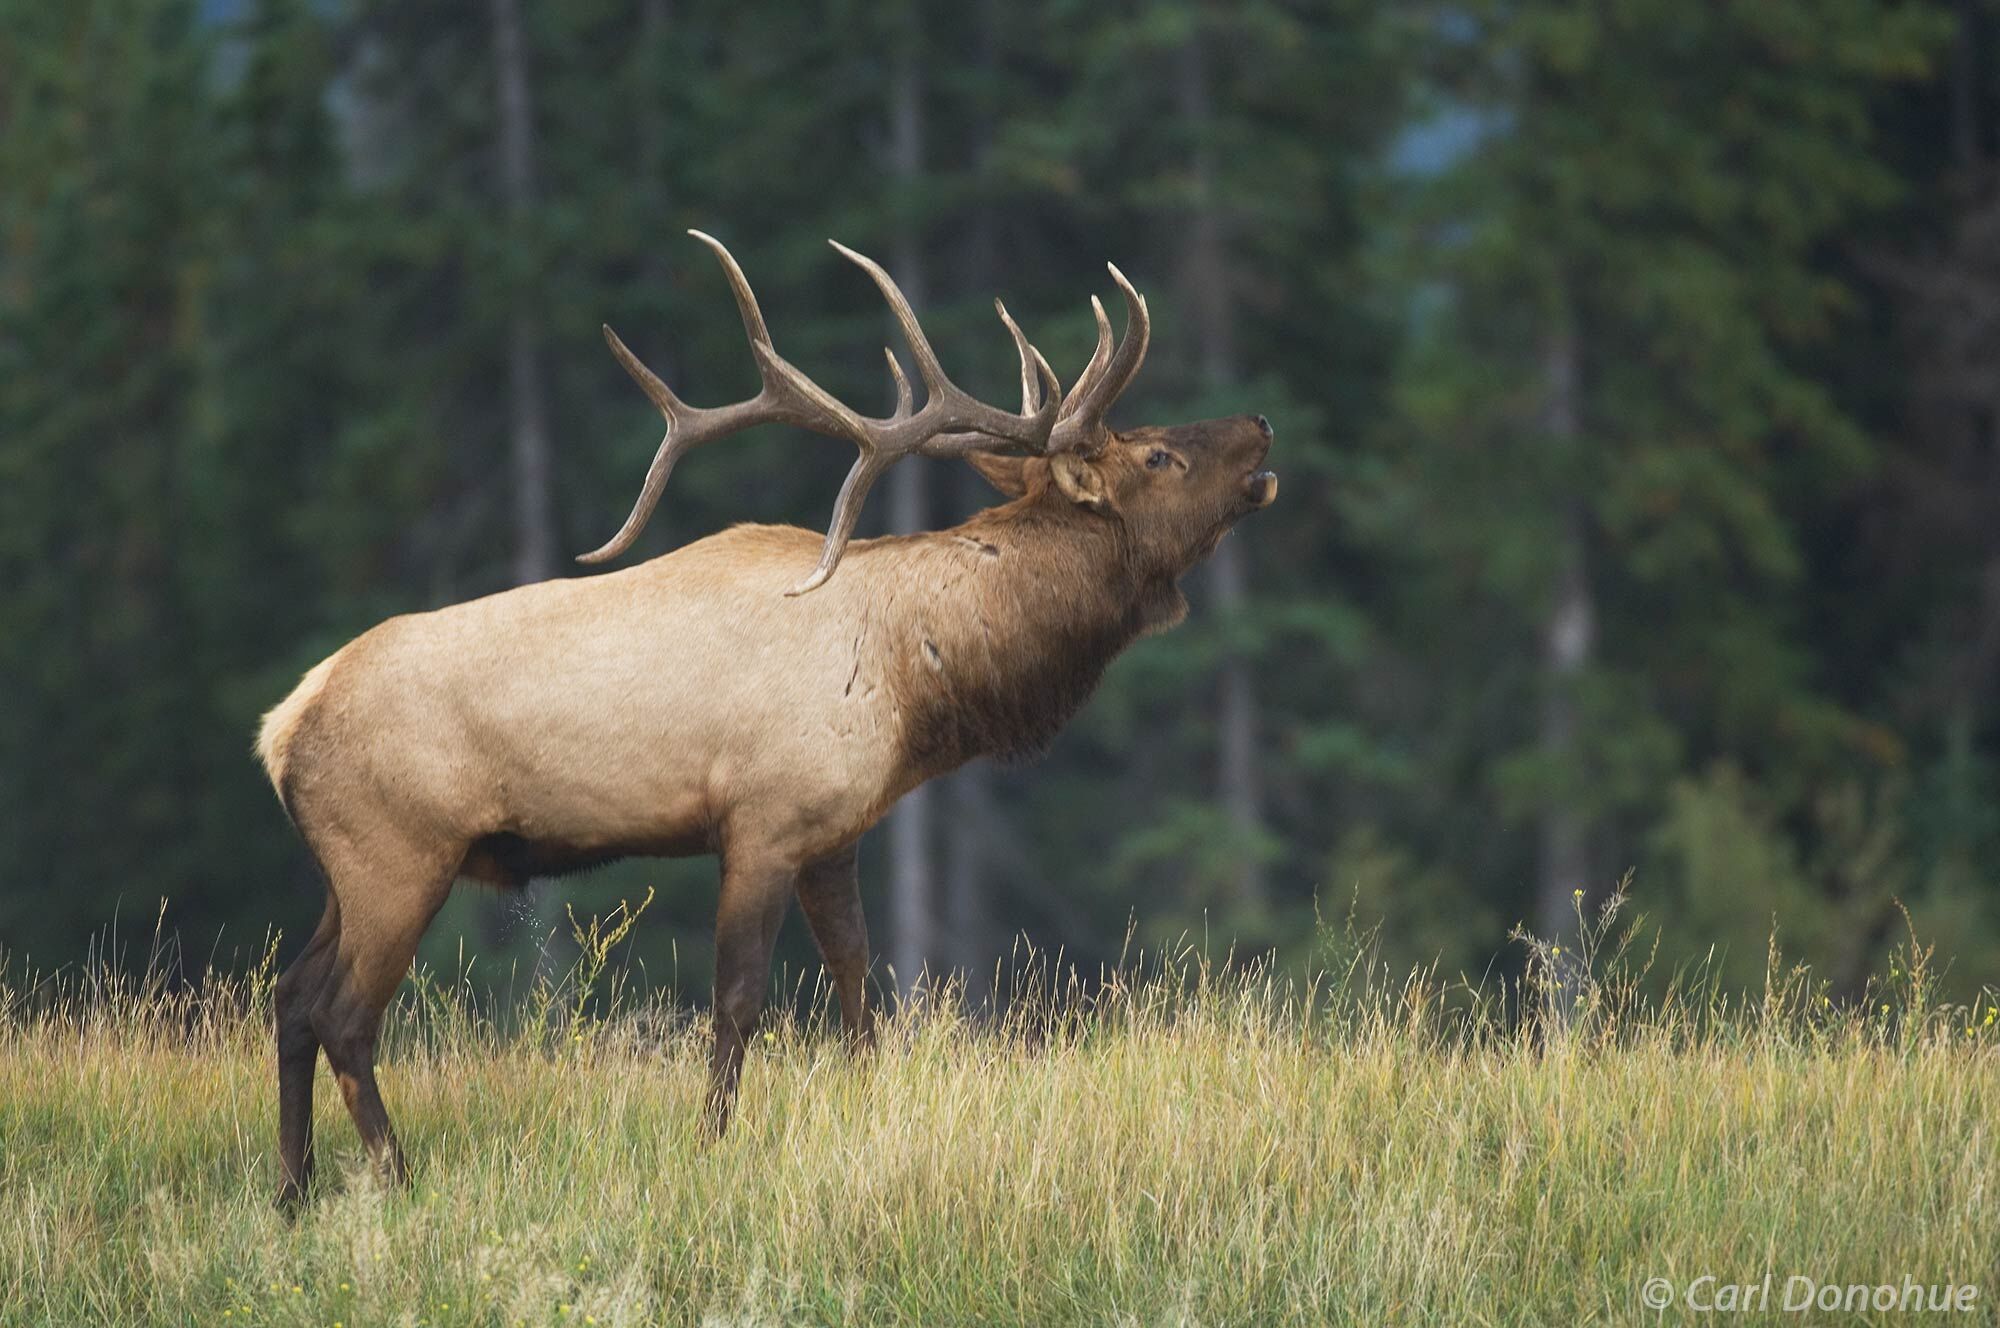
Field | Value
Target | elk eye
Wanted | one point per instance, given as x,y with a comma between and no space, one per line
1158,458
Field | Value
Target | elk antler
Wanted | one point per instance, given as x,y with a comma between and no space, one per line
1080,426
950,424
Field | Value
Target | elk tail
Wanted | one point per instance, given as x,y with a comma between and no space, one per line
274,738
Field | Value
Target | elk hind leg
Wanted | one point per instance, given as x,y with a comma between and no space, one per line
384,913
297,989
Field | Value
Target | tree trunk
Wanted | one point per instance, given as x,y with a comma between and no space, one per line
1568,638
1211,307
1963,83
528,430
527,404
912,870
650,130
969,793
1973,414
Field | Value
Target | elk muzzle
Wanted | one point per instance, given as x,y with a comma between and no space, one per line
1260,486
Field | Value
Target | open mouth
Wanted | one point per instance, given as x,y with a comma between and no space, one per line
1261,488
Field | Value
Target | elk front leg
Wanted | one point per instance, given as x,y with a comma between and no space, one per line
754,892
830,893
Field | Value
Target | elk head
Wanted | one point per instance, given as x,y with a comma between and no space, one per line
1172,492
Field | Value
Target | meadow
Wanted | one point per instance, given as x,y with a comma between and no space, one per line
1175,1142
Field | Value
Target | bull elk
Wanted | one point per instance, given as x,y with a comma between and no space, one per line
711,701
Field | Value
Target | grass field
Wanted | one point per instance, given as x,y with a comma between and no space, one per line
1183,1145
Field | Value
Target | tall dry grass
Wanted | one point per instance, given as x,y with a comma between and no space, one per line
1182,1143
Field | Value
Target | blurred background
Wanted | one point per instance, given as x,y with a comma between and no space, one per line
1635,367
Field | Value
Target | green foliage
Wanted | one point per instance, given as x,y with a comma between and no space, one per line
1732,872
1419,915
256,283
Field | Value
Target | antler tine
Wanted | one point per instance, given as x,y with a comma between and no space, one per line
899,305
649,382
903,398
739,286
1082,423
1031,397
1138,335
1049,380
1033,379
670,451
868,467
1100,357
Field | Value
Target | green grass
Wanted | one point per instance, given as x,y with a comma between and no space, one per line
1185,1145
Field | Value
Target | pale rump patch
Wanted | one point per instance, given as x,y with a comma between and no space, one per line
274,737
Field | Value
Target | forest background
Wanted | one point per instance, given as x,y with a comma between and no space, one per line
1635,367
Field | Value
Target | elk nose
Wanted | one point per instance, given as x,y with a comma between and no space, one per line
1264,426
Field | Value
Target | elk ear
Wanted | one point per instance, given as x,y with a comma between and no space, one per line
1008,474
1080,481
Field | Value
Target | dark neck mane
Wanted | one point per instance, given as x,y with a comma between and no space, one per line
1001,628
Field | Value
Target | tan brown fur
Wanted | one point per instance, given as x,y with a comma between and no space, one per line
689,705
274,735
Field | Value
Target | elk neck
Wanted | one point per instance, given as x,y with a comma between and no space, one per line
1000,628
